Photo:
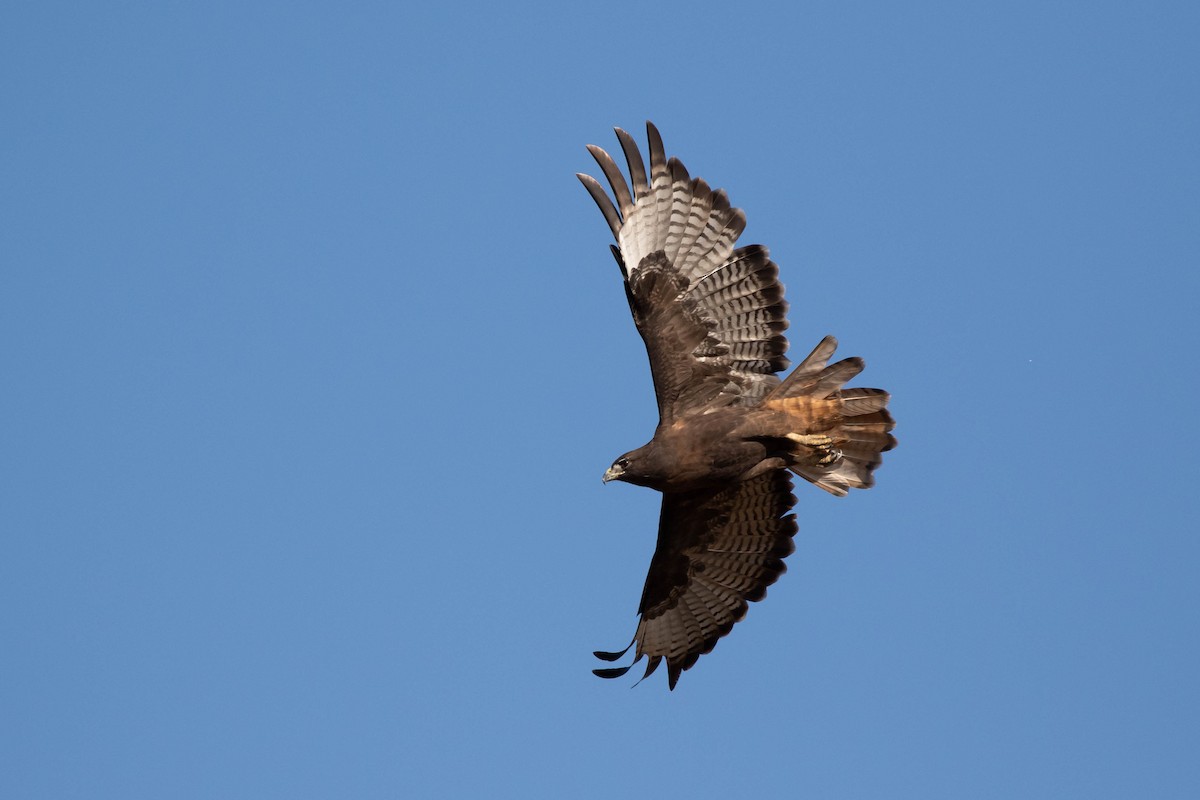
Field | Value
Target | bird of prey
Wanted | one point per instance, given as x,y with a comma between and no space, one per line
731,432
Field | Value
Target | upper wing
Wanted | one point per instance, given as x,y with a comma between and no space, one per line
712,316
717,549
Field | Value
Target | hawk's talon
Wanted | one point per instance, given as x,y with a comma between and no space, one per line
820,443
832,456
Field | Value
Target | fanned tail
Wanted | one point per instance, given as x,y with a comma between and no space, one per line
838,435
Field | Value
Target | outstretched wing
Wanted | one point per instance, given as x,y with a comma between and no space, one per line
717,550
712,316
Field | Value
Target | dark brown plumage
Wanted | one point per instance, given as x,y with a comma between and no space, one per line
730,432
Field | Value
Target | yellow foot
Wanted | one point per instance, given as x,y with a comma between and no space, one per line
810,439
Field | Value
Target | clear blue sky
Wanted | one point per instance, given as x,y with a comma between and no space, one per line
313,355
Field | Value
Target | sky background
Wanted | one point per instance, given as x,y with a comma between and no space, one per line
313,355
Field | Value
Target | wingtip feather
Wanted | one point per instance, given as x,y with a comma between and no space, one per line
610,672
603,201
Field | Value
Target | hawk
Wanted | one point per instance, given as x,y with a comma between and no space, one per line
731,433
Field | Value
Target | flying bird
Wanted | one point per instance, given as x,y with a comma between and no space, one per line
731,433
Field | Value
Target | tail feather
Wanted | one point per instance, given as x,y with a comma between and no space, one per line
859,402
834,376
801,378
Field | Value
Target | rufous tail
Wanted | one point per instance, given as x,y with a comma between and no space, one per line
841,434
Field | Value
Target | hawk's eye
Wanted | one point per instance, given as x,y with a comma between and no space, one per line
623,462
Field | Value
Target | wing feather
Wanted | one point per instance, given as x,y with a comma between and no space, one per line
615,179
660,183
637,168
606,206
700,210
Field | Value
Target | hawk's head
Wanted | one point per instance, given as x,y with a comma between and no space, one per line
617,471
639,466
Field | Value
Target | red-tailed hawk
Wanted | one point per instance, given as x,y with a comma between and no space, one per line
730,432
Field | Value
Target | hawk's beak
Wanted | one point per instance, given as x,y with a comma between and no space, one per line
612,474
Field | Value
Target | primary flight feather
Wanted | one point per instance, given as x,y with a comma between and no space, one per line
730,432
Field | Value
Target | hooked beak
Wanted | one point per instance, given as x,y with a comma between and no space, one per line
613,473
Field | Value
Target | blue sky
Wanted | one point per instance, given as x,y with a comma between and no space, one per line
314,355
